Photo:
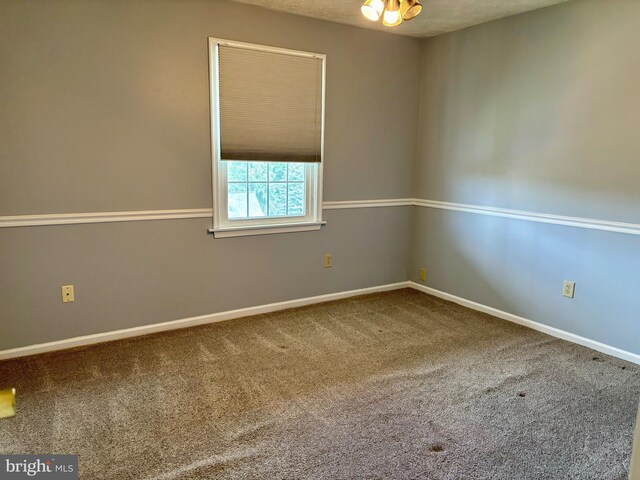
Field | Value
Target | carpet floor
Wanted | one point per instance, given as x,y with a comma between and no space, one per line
391,385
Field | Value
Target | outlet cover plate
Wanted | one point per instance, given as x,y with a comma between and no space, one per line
68,294
569,289
423,274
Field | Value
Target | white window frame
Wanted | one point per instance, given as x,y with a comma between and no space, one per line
222,225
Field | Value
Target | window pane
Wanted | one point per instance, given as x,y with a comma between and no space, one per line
237,200
296,199
258,171
258,199
266,189
296,172
277,172
237,171
277,199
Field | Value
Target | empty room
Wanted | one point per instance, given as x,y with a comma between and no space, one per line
338,239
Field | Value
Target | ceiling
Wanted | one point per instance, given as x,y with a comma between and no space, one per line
438,16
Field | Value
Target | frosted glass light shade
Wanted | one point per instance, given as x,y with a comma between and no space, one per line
372,9
392,15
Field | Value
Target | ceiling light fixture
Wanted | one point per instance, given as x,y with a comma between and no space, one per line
372,9
392,16
393,12
410,9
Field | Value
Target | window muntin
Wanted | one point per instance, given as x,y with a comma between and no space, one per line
266,189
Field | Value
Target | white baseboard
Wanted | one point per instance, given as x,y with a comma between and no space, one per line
554,332
189,322
273,307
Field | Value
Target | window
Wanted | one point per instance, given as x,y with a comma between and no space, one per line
267,110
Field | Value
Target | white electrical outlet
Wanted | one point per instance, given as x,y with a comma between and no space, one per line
328,260
68,294
569,289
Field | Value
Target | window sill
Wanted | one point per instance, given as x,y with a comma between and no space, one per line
245,231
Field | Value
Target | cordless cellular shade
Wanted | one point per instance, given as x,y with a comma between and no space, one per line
270,106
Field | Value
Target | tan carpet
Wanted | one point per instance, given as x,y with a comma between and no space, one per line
392,385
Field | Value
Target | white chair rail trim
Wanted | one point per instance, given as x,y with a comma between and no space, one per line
101,217
590,223
132,216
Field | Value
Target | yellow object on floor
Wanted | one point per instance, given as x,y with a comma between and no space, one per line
8,403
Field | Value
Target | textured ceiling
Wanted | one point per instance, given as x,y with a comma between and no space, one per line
438,16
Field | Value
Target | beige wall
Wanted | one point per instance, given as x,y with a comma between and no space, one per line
537,112
104,106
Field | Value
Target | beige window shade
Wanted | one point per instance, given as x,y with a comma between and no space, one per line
270,106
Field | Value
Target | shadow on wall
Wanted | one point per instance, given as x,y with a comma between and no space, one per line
458,265
519,267
534,112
